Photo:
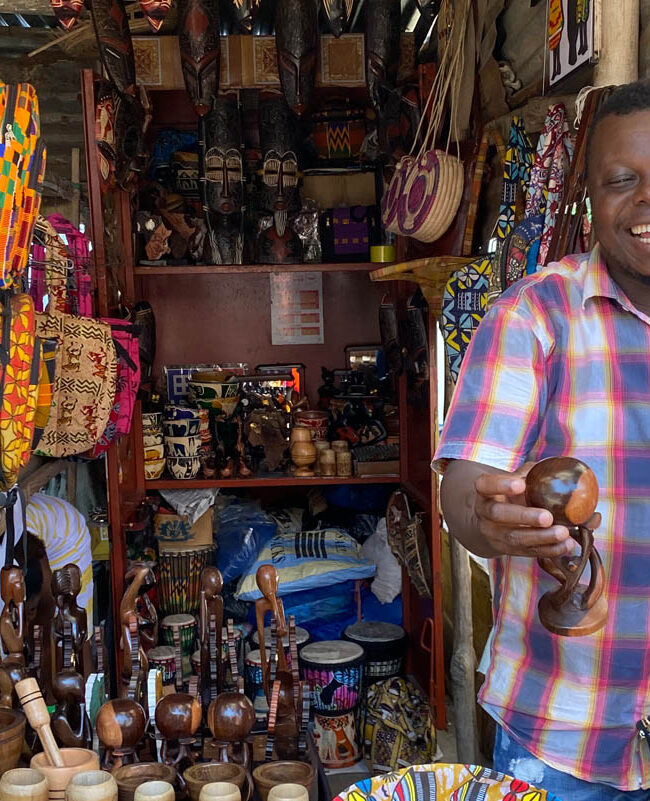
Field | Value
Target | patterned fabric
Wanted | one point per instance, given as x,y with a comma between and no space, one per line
22,166
444,783
398,729
559,366
78,246
19,388
471,289
555,23
64,533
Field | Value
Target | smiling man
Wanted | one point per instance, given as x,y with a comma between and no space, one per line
561,366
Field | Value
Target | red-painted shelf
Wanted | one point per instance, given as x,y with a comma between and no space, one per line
230,269
283,481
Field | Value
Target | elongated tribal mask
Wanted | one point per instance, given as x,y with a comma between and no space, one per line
296,40
200,46
245,11
155,11
382,48
114,41
338,14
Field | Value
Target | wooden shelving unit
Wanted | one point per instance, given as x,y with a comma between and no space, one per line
256,483
151,271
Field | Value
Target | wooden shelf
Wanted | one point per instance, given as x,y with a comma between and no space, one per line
282,481
231,269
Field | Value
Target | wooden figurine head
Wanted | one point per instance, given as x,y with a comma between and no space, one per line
120,724
211,582
178,716
564,486
12,586
267,581
66,585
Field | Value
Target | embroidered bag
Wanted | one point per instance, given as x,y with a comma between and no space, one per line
85,363
127,348
79,280
470,289
347,232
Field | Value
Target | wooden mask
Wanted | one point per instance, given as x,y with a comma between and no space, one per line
279,186
200,46
114,41
338,13
382,48
105,131
129,139
245,11
155,11
223,159
67,11
296,40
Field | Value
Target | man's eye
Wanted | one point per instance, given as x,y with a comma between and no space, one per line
618,180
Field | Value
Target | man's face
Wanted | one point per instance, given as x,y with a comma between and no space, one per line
619,188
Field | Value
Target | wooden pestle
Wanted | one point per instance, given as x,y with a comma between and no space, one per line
30,696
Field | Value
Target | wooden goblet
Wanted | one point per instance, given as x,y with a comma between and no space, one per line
568,489
120,727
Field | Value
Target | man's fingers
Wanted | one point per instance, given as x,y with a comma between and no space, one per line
512,514
490,484
553,541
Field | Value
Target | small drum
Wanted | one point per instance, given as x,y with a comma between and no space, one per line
195,661
335,739
333,669
196,656
163,658
179,585
254,683
384,644
186,625
302,638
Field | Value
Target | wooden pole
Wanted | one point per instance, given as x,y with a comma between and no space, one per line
619,43
463,658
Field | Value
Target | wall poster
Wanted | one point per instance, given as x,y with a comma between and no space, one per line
571,36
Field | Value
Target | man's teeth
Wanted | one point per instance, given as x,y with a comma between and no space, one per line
637,230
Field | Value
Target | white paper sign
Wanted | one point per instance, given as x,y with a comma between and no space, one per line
296,308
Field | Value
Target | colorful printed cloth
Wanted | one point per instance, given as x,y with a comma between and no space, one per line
559,366
444,782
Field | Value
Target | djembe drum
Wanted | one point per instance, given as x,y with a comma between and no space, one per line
302,638
179,585
334,671
186,627
163,658
254,683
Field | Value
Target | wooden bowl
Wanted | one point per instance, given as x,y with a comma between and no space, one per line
199,775
272,773
128,777
23,784
12,731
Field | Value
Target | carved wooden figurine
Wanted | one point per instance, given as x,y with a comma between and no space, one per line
231,718
210,625
120,727
12,618
11,672
70,626
178,716
70,722
568,489
136,598
135,664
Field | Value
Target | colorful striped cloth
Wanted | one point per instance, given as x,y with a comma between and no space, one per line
64,533
560,366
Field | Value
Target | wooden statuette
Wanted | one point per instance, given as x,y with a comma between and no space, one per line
568,489
296,40
70,722
210,626
12,618
70,626
141,580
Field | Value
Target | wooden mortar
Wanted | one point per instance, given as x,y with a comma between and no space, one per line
23,784
12,732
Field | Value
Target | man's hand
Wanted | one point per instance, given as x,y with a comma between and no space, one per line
511,527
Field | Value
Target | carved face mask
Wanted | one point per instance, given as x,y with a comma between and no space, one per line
245,11
155,11
382,48
280,175
223,160
296,39
66,11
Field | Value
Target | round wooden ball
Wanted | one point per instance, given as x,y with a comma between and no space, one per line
231,716
178,716
564,486
121,723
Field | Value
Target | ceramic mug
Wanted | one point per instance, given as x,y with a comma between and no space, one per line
288,792
23,784
154,791
174,412
182,446
182,428
92,785
154,469
151,419
151,440
182,467
220,791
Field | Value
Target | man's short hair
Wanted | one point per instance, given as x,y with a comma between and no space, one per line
626,99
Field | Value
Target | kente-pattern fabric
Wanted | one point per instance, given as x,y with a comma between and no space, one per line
559,366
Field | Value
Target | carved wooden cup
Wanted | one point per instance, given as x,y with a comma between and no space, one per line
568,489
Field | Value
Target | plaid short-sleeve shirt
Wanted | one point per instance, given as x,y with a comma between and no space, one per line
560,366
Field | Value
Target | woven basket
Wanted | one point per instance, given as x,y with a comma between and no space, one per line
416,555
